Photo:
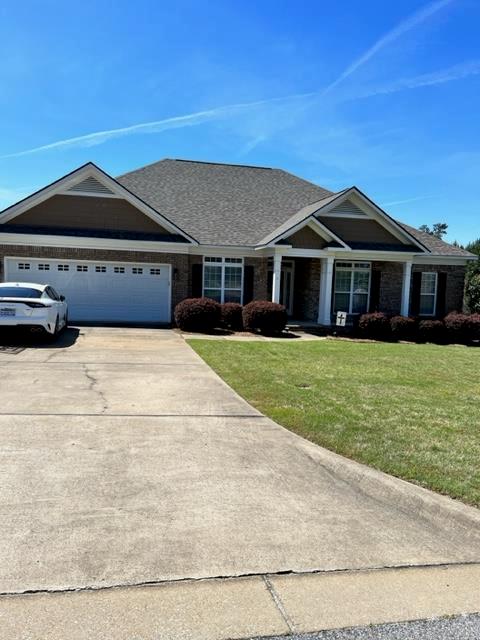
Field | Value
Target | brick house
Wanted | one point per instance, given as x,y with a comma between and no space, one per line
127,249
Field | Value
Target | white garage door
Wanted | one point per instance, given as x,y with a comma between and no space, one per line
101,291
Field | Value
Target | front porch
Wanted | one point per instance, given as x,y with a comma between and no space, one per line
314,289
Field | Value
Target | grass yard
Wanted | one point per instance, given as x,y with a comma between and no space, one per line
410,410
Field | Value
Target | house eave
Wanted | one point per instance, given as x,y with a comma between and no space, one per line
77,242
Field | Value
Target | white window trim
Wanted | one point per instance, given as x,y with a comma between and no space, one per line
430,295
223,264
352,269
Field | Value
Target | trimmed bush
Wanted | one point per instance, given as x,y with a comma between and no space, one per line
457,325
463,328
265,317
475,326
402,328
431,331
231,314
197,314
374,325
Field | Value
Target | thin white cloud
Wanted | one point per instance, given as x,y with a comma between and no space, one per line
176,122
407,25
457,72
252,144
407,200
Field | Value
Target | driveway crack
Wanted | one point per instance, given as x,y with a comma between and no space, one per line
94,386
279,604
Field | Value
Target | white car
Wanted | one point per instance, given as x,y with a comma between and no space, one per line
37,307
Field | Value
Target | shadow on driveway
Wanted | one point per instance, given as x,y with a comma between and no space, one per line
15,340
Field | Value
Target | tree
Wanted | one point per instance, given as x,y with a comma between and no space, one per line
438,230
474,246
472,287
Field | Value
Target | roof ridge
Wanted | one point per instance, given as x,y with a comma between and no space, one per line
222,164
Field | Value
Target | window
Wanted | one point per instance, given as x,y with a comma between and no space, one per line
43,267
223,279
137,270
352,287
118,269
63,267
155,272
82,267
101,269
51,293
19,292
428,294
24,266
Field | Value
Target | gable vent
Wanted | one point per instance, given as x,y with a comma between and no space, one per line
347,208
91,185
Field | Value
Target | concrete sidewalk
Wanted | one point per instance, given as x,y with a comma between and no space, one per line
243,607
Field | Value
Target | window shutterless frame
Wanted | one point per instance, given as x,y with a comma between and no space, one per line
432,276
347,288
223,263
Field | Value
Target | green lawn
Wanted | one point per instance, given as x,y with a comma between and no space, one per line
410,410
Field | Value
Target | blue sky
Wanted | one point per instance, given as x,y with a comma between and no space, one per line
381,95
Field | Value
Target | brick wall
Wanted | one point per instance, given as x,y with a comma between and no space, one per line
306,288
260,277
390,286
455,283
179,262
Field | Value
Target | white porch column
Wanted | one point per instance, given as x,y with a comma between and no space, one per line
277,274
325,297
407,277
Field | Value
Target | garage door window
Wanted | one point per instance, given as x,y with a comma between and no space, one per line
101,269
137,270
223,279
24,266
63,267
43,267
119,269
82,267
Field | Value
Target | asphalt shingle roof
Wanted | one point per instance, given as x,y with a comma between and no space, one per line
219,203
226,204
433,244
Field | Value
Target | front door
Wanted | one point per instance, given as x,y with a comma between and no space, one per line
286,283
286,286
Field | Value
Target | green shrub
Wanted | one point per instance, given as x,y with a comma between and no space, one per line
231,314
431,331
375,326
402,328
197,314
265,317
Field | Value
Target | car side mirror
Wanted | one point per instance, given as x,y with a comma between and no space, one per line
62,298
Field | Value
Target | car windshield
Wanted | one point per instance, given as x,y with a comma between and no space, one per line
20,292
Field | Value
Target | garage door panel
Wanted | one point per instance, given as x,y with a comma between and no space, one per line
101,291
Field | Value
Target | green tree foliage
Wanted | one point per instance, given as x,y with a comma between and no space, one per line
474,246
472,286
439,229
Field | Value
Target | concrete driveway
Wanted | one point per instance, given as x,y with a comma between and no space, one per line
125,460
